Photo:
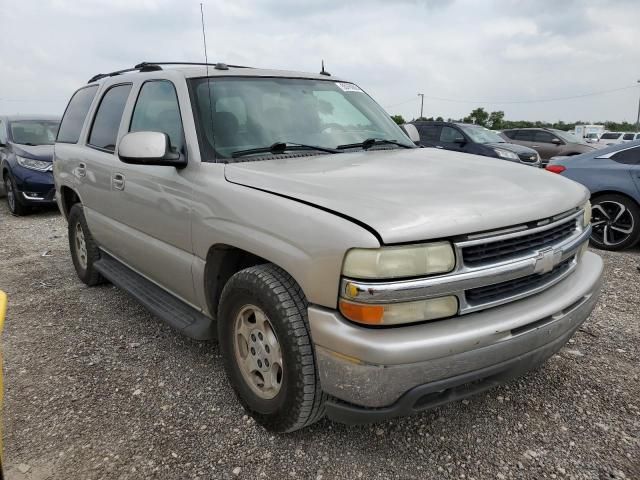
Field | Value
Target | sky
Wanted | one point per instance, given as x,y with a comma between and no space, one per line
510,55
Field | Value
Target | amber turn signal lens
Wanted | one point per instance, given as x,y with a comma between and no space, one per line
361,313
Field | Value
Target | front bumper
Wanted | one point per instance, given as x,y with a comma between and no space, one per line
34,188
380,373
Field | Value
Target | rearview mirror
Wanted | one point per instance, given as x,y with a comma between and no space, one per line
149,148
412,132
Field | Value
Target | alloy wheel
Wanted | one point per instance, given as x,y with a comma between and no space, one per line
612,223
11,195
81,246
257,352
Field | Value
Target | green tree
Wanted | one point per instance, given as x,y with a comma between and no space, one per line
496,120
478,116
399,119
439,119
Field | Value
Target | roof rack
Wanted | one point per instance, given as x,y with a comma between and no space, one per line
155,66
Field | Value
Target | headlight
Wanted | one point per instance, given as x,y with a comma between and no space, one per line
399,262
587,213
32,164
399,313
506,154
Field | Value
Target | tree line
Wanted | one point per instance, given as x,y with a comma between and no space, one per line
496,121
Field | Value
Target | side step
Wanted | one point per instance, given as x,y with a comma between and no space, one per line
172,310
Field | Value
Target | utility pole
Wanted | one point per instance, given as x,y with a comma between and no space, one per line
421,95
638,119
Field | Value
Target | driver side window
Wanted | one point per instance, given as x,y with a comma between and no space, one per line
449,135
544,137
157,110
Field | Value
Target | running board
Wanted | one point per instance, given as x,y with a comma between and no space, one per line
172,310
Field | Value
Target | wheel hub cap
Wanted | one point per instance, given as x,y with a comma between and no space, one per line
81,246
612,223
11,199
257,352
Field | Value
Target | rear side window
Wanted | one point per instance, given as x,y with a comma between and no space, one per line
106,123
75,115
524,135
628,157
157,110
510,133
628,136
543,137
429,133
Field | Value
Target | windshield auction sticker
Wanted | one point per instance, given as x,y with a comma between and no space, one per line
348,87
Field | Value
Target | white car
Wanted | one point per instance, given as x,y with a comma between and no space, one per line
630,137
610,138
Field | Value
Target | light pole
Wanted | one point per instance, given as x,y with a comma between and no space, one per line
638,119
421,95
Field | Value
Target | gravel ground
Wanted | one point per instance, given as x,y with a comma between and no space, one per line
98,388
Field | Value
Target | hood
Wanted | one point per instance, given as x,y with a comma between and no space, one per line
37,152
513,147
417,194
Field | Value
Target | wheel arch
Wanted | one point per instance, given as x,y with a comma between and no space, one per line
601,193
68,198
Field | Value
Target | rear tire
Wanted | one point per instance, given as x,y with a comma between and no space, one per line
262,320
84,251
16,207
615,222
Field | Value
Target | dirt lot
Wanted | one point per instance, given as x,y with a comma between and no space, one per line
98,388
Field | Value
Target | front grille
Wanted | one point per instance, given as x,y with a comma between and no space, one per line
511,288
528,157
498,251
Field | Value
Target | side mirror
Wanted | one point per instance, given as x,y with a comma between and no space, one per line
412,132
459,141
556,141
149,148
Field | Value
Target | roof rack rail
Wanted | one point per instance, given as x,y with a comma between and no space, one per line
155,66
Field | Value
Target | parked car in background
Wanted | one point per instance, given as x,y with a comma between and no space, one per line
343,270
548,142
610,138
630,137
612,175
26,153
475,139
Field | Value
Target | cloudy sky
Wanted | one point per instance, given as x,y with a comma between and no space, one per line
511,55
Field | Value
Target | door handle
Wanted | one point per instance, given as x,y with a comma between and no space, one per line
81,171
117,181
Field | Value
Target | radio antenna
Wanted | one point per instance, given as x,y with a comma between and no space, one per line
206,61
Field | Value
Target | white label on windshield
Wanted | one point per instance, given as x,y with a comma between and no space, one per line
348,87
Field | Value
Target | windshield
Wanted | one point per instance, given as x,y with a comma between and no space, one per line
610,136
248,113
568,137
34,132
481,135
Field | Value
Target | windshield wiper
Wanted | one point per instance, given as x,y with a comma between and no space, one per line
370,142
281,147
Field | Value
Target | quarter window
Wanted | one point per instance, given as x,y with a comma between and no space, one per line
429,133
629,157
628,136
75,114
106,122
157,110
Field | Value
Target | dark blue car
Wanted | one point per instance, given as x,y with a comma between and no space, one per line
26,153
612,175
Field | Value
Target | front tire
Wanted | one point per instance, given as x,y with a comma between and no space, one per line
615,222
84,251
16,207
269,358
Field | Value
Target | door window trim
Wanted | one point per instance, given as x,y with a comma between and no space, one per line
183,153
95,114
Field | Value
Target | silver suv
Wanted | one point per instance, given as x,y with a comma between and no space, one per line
343,270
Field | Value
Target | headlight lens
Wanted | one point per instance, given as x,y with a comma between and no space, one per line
33,164
587,213
506,154
399,313
398,262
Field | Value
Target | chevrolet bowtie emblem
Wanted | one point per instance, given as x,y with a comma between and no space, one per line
547,259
